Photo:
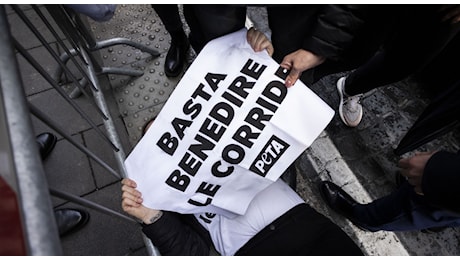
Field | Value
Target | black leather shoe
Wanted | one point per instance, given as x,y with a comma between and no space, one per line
337,199
176,56
46,143
70,220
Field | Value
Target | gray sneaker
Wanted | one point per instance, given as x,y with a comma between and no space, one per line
350,108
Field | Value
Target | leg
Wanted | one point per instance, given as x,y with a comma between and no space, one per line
169,15
301,231
175,59
208,22
419,38
403,210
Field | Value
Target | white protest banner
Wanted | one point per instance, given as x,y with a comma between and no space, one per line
229,129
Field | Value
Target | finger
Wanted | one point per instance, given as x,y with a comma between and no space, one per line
251,32
404,162
270,50
263,43
258,45
134,192
286,63
129,182
267,46
292,78
131,196
250,36
256,39
285,66
127,204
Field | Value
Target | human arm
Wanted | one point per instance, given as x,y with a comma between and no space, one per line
335,29
413,168
165,229
436,175
259,41
441,180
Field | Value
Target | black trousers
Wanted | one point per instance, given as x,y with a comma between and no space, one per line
169,15
301,231
208,22
420,36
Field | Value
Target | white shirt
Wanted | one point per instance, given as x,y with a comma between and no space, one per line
230,234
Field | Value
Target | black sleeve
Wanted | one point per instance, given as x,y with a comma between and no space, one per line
441,180
336,28
173,237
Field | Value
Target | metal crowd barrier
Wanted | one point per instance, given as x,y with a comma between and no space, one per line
23,168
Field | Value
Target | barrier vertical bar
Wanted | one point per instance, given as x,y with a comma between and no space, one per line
39,225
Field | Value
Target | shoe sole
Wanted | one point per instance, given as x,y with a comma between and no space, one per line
340,85
174,75
340,90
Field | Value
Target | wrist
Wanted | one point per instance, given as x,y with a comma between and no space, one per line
152,216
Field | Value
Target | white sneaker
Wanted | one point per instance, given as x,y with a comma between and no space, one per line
350,108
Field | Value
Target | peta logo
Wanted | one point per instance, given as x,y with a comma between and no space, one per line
269,155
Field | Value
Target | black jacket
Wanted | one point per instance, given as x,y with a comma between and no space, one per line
441,180
346,35
326,30
177,235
